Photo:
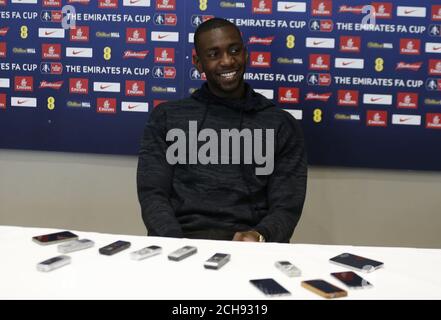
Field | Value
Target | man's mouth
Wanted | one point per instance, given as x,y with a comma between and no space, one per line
228,75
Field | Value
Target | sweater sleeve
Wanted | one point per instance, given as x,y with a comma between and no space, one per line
154,179
287,185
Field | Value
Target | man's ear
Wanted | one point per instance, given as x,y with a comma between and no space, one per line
197,63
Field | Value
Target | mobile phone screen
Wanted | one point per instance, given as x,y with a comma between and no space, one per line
270,287
55,237
357,262
323,286
51,260
114,247
351,279
218,257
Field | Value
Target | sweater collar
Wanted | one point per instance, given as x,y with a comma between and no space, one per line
251,102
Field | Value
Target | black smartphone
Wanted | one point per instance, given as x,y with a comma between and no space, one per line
270,287
56,237
351,280
324,289
355,262
114,247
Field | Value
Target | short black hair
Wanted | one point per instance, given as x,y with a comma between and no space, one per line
211,24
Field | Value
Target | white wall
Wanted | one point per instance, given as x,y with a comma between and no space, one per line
98,193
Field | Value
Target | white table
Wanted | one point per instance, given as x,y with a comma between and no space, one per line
407,273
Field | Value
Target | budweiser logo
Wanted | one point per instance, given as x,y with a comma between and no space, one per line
4,31
135,54
52,85
265,41
409,66
320,97
357,9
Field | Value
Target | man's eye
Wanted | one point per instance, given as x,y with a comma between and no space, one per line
211,54
235,50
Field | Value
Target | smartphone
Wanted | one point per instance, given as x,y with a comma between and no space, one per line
145,252
182,253
75,245
53,263
114,247
352,280
217,261
356,263
56,237
324,289
270,287
288,268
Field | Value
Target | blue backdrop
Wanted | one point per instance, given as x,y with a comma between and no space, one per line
366,92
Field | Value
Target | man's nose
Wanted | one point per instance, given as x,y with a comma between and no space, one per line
227,59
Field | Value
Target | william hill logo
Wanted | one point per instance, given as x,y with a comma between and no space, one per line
432,102
378,45
231,5
103,34
16,50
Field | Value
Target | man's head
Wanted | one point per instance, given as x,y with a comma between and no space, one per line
221,54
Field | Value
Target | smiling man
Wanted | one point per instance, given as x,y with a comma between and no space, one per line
200,164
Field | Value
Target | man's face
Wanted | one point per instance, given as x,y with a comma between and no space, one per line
222,56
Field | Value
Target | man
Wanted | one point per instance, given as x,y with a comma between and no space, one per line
215,196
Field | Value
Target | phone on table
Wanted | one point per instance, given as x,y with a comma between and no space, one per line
352,280
288,268
217,261
356,263
114,247
53,263
270,287
56,237
75,245
182,253
145,252
324,289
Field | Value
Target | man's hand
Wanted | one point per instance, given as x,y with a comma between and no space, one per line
249,236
